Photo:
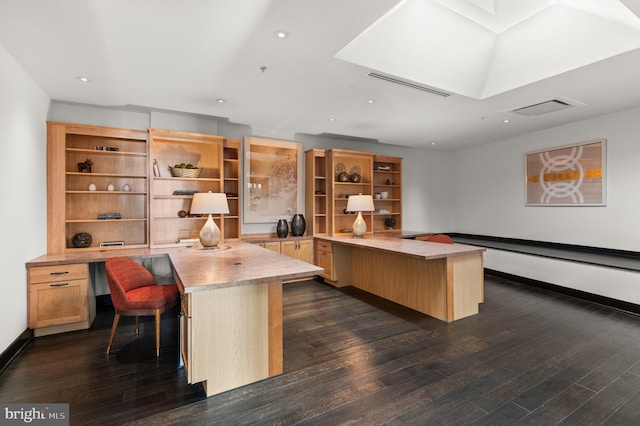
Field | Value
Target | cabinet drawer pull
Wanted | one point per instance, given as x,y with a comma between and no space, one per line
59,285
59,273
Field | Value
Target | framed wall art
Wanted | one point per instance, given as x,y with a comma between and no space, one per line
572,175
272,181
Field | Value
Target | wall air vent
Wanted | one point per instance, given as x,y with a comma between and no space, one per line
545,107
408,83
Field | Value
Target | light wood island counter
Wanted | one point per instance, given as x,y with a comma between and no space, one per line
445,281
231,319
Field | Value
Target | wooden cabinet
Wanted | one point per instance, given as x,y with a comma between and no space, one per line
232,187
271,245
59,297
327,190
97,183
324,259
172,195
387,179
185,329
357,166
316,191
299,249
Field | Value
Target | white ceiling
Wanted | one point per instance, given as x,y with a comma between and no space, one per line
492,56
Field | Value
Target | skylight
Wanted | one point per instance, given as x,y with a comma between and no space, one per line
481,48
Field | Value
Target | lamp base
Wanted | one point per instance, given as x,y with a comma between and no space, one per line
359,226
210,234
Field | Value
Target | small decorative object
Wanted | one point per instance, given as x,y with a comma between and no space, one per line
82,240
126,187
109,216
185,171
182,213
110,187
389,182
341,173
298,225
92,187
156,169
384,195
354,174
377,196
282,229
86,166
390,222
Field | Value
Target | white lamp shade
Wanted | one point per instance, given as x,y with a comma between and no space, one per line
360,203
209,202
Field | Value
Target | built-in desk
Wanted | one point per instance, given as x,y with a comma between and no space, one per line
445,281
231,328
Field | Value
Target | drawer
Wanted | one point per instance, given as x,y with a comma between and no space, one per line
324,246
57,273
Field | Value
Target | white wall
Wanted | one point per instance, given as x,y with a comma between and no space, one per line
489,200
23,114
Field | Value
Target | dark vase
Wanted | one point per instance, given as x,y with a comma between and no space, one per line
282,229
298,225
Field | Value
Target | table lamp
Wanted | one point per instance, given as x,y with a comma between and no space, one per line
209,203
360,203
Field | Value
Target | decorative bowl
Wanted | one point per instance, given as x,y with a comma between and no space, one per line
185,173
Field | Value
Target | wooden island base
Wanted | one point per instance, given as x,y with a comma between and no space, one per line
440,280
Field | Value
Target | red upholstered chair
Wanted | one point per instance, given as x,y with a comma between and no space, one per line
134,292
440,238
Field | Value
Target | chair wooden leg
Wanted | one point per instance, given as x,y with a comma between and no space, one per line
116,319
137,325
157,333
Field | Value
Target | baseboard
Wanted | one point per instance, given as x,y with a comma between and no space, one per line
14,349
628,307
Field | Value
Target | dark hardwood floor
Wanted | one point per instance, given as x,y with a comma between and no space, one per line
529,357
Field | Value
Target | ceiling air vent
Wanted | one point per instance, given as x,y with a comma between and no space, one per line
544,107
407,83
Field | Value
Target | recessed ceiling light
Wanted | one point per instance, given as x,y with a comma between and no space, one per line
332,119
506,120
371,101
220,101
434,143
83,79
282,34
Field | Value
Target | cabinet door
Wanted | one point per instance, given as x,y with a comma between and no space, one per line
271,245
57,303
305,251
185,334
289,248
324,259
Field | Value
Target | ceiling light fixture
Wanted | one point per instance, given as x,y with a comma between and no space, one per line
506,120
281,34
332,119
371,101
220,100
83,79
